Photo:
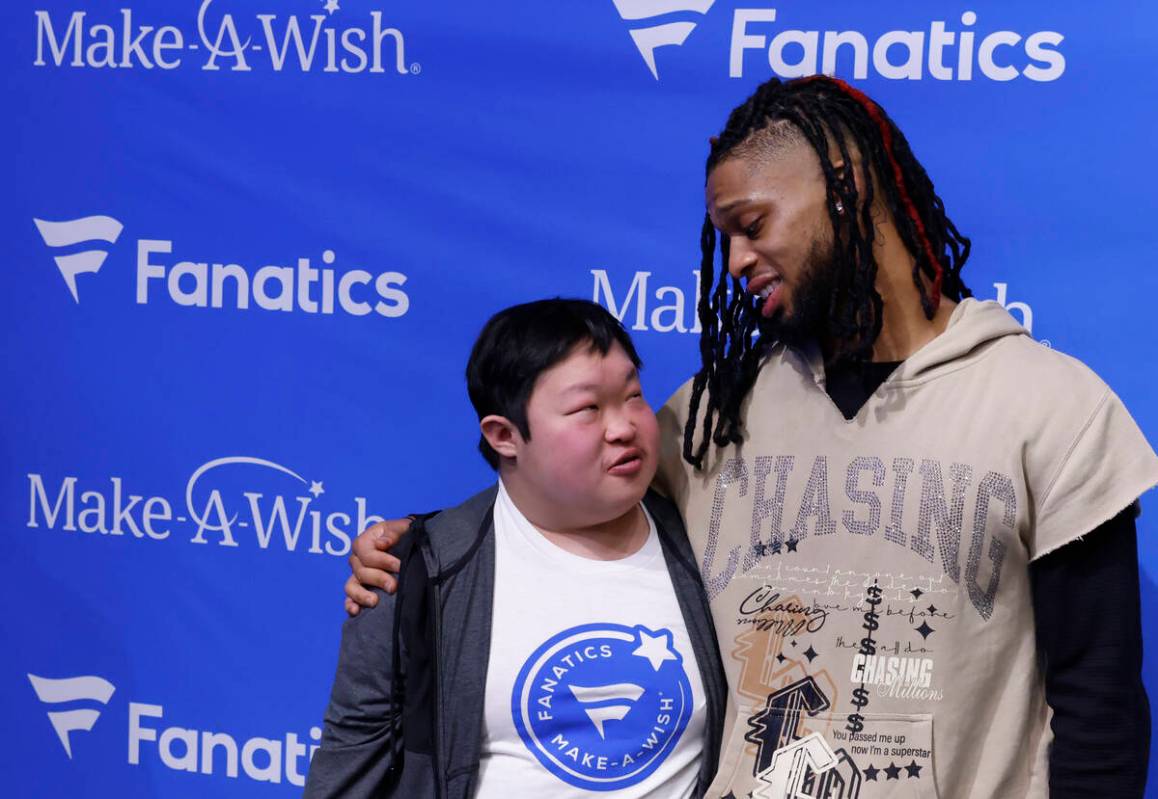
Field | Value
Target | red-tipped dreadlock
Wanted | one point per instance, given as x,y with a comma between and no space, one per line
874,112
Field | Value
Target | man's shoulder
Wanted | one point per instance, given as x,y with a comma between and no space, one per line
677,404
1056,380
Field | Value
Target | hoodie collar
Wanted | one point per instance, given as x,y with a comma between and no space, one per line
973,324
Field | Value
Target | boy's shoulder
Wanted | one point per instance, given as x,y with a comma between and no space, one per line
664,511
453,531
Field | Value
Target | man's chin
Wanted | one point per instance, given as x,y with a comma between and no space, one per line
786,327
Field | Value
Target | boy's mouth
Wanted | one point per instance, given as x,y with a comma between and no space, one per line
629,463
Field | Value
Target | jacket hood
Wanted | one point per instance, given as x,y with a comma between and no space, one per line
973,325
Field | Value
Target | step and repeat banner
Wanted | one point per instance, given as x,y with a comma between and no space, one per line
250,243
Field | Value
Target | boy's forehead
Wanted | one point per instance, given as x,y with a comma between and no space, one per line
585,366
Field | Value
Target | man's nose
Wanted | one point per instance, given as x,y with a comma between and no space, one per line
741,256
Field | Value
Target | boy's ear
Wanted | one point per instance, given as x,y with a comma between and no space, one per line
501,433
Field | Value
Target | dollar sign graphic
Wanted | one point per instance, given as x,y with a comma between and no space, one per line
868,646
860,698
855,723
870,622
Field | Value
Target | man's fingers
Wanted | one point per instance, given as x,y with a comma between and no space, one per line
352,607
373,577
380,536
358,594
382,561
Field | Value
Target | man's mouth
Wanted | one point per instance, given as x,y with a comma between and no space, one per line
768,288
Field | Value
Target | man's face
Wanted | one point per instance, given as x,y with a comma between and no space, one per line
594,439
780,236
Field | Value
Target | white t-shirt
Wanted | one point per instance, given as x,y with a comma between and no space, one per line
592,684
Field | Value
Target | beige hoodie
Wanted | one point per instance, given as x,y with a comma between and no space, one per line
869,577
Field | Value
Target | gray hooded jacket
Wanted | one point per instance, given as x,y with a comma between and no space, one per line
406,712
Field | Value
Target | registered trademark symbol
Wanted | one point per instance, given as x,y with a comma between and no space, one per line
1045,342
416,68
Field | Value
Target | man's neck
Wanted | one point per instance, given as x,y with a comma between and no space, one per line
905,328
610,539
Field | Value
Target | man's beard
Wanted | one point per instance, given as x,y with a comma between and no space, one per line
812,295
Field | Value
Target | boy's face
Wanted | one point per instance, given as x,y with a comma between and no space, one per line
594,439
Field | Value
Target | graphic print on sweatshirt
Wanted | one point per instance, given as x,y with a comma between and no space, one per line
870,577
601,706
838,608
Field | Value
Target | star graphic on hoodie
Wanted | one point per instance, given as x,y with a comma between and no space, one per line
893,771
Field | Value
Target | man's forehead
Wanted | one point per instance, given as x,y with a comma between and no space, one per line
736,182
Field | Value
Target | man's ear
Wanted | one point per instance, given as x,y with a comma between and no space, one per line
501,433
845,172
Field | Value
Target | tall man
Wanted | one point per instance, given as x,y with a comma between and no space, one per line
914,523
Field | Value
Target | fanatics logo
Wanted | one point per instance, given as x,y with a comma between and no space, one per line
648,39
72,689
602,706
76,231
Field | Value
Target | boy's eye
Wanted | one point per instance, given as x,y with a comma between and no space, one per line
591,407
753,230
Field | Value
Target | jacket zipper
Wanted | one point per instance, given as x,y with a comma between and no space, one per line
441,788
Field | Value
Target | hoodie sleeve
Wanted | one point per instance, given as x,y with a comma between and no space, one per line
1103,467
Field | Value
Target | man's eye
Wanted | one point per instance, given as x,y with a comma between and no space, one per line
753,230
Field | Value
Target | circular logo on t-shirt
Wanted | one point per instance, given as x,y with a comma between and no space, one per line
603,705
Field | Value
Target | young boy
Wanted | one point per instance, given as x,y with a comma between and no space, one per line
551,636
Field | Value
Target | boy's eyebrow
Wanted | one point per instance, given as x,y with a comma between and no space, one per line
579,387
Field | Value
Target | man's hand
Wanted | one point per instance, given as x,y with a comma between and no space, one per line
373,565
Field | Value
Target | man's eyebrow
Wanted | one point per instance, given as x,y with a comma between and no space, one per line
723,210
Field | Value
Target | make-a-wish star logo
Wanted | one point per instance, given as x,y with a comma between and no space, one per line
601,706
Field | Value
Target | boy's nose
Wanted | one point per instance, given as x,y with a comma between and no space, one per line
619,428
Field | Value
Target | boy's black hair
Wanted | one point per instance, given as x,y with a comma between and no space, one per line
521,342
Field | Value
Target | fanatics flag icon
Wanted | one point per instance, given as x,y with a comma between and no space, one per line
602,704
72,689
651,37
76,231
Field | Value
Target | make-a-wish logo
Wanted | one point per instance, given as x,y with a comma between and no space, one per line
69,691
315,42
75,232
226,501
601,706
648,37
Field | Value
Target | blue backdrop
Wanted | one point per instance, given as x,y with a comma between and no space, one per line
284,223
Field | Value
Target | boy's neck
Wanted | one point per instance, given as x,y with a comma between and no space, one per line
613,539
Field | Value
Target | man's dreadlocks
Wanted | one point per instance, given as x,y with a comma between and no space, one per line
828,113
